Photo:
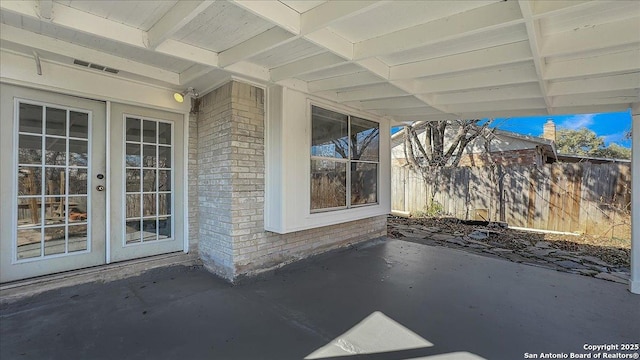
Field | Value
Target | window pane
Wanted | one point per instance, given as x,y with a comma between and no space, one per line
164,180
133,232
133,180
149,131
133,129
149,205
29,244
77,209
78,124
149,159
78,153
164,228
54,181
365,139
133,155
54,240
329,133
364,180
78,181
149,230
164,133
29,149
78,238
56,151
56,122
164,157
133,206
29,212
149,180
328,184
29,180
31,118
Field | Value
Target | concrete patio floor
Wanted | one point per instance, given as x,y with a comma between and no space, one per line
393,299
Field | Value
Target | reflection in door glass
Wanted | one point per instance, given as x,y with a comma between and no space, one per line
149,176
52,174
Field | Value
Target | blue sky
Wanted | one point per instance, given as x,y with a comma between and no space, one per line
611,126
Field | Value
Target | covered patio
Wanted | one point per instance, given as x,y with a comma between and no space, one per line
385,299
235,161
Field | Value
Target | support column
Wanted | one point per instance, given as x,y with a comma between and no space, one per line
634,285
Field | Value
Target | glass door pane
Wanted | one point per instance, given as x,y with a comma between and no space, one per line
148,176
52,176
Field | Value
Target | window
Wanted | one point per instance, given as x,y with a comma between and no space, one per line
344,160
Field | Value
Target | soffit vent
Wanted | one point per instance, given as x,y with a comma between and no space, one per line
96,66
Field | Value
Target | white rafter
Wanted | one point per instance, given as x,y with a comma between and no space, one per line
485,18
306,65
45,9
534,34
332,11
613,34
274,12
617,63
595,84
37,41
491,57
175,19
257,44
84,22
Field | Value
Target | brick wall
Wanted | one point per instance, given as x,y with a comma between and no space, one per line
230,192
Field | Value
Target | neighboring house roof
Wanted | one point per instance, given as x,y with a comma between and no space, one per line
548,146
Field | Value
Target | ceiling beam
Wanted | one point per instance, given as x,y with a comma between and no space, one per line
549,7
470,22
392,103
412,111
332,11
617,63
81,21
371,92
524,73
600,98
502,113
274,12
591,109
45,43
486,106
175,19
345,81
192,53
609,35
306,65
533,31
45,9
477,59
256,45
332,42
595,84
524,91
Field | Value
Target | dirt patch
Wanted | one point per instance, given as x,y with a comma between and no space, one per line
614,254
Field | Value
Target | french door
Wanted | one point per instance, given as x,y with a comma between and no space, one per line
58,177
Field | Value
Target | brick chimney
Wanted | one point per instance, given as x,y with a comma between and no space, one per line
549,132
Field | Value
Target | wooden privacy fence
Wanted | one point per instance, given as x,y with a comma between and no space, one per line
586,198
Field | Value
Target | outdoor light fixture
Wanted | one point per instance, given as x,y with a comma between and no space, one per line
179,97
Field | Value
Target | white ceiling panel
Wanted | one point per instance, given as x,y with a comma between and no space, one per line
291,51
221,26
473,42
397,15
331,72
139,14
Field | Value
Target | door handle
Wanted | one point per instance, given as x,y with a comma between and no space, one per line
100,187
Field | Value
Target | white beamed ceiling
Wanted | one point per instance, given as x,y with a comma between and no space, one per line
406,60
